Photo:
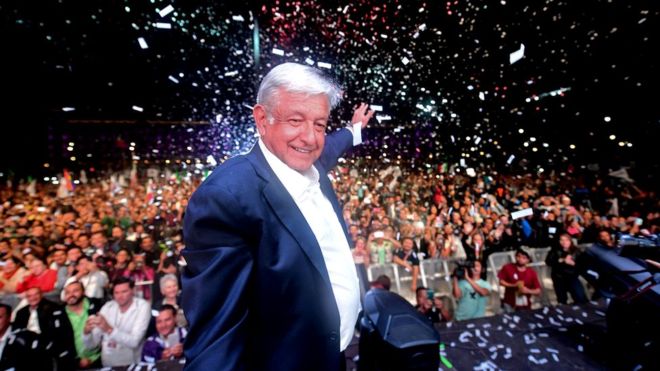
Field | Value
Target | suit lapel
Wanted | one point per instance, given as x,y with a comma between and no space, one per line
283,205
326,188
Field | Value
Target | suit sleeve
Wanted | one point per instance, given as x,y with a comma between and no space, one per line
336,144
215,280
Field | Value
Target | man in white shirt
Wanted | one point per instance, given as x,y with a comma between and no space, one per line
119,327
270,282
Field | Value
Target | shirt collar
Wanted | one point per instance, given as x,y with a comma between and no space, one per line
296,183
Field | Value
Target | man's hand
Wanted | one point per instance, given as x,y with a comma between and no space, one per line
90,324
362,114
569,260
103,324
84,363
177,350
174,351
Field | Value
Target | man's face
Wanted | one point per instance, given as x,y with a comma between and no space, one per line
83,266
522,260
59,257
117,233
165,322
98,240
422,296
138,260
407,244
38,231
83,242
73,255
123,294
605,237
73,294
147,244
297,134
33,296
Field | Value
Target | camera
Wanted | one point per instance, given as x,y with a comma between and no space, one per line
461,267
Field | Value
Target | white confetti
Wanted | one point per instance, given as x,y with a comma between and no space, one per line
522,213
166,10
143,43
517,55
324,65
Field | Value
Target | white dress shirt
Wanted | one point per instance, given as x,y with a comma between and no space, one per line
94,283
33,321
122,346
322,219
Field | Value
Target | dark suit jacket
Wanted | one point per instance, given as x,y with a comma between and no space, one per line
24,351
55,329
256,290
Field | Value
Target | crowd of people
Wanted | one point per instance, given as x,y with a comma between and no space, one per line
93,275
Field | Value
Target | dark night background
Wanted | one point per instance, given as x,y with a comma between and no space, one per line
425,63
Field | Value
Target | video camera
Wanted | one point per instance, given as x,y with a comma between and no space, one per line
461,267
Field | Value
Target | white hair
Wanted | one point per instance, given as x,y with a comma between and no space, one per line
297,78
167,277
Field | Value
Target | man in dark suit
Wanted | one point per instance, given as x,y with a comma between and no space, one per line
21,349
270,282
50,321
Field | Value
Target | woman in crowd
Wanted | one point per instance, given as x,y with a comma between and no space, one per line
169,287
120,268
12,273
563,262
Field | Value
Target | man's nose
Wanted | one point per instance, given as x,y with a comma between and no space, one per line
307,133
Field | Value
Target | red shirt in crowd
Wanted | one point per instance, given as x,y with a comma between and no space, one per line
45,281
511,274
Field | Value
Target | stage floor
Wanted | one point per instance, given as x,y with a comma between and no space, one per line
563,337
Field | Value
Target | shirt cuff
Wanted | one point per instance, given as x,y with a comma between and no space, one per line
356,129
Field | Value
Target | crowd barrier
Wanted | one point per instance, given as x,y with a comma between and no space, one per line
435,274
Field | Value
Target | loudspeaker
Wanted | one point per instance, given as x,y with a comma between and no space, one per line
395,336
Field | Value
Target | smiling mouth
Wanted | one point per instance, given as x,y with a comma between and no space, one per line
302,150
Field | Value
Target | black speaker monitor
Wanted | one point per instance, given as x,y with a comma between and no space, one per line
395,336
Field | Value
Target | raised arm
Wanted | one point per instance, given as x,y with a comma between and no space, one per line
338,142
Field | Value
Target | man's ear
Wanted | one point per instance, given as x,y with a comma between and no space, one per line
260,118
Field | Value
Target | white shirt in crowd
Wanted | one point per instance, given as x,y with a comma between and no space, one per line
33,321
94,283
123,346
